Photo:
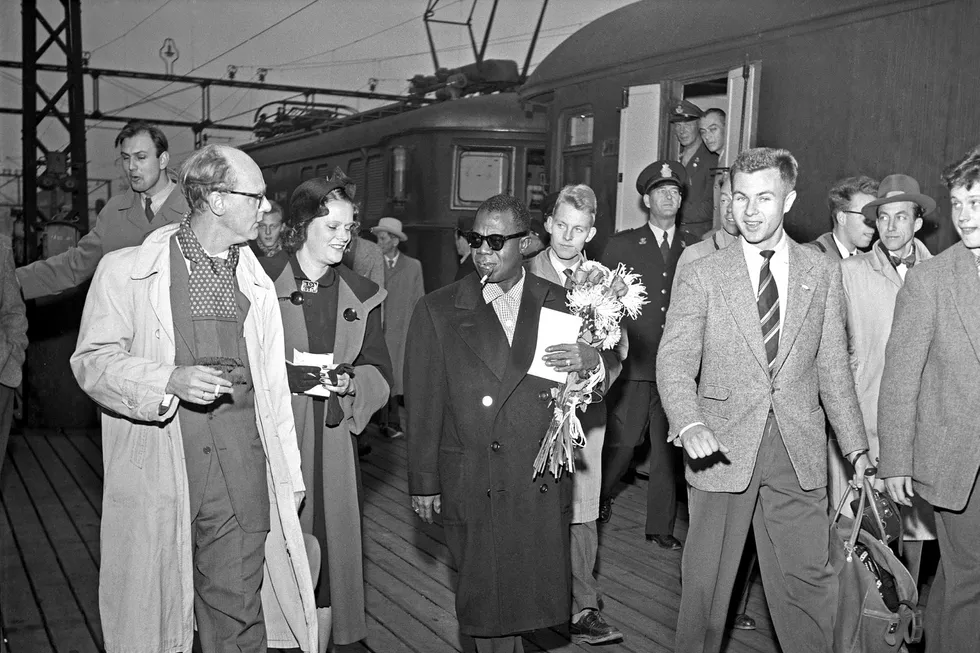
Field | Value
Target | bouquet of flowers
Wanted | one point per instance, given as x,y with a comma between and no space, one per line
601,297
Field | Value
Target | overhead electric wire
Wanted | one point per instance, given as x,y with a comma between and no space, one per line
355,41
154,95
127,32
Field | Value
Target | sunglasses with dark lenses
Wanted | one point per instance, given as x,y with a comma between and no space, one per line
870,222
496,241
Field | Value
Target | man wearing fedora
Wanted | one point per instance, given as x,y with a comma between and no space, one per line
403,281
635,410
871,283
927,420
697,208
852,232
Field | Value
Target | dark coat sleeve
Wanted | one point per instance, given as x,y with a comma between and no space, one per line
425,398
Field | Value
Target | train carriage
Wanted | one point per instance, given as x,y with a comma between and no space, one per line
426,166
849,86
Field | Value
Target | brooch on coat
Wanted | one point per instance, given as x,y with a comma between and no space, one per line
643,241
350,314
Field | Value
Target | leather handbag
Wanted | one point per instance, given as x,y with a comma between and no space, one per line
877,608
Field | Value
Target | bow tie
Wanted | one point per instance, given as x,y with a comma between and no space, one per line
909,260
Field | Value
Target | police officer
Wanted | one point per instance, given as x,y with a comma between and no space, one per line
697,209
634,403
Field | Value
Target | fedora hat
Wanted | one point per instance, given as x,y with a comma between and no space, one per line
392,226
898,188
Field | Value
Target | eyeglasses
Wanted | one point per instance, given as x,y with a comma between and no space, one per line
496,241
870,222
255,196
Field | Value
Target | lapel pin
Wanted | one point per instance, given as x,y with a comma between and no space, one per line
643,241
350,315
805,287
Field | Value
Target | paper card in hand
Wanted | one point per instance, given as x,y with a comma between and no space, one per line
554,328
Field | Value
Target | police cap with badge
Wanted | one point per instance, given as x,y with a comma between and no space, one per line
684,111
660,173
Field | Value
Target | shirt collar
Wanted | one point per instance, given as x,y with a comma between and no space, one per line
659,233
160,195
492,291
754,254
393,259
844,252
561,265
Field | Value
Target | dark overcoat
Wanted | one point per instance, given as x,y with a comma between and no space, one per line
475,421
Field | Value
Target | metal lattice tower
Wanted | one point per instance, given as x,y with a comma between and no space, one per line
66,168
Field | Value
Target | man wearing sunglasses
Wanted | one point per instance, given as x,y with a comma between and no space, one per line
181,342
152,200
852,231
475,422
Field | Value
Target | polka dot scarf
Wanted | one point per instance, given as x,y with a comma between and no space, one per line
212,279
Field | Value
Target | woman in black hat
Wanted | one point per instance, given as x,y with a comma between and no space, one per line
328,309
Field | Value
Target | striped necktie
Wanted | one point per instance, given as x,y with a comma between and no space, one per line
768,302
568,278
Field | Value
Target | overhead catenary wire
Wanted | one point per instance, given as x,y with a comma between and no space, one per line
130,30
155,94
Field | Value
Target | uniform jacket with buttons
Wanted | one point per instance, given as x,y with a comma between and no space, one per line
697,208
712,367
123,360
638,249
475,421
121,223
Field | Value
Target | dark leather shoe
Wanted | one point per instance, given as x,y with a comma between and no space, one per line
668,542
593,629
605,510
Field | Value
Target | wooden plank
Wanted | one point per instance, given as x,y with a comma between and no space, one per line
88,481
57,597
23,624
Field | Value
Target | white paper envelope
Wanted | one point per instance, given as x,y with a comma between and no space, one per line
554,328
317,360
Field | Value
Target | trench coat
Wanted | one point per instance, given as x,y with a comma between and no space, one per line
871,285
123,361
342,514
475,423
404,286
587,479
121,223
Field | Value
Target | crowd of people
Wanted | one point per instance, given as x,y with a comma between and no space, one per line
235,381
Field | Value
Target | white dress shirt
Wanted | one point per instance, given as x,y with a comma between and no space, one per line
157,200
844,252
560,265
658,233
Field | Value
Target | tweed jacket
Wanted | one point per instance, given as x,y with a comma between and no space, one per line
713,332
715,240
927,421
121,223
587,479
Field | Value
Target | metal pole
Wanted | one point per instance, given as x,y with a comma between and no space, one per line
76,108
486,34
534,42
29,121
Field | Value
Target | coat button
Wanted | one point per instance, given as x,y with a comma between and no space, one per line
207,450
544,395
663,309
495,446
543,489
488,491
665,275
663,291
157,333
488,401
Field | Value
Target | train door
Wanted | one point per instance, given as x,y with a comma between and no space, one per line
639,145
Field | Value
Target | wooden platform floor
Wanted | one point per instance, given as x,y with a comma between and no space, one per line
50,503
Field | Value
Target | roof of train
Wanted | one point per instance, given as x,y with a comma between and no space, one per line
640,34
499,112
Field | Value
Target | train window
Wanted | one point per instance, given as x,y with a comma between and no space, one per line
535,175
578,129
398,175
374,191
479,174
576,165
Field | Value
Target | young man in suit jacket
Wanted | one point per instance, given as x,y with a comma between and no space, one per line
852,232
651,250
741,372
571,224
475,423
927,421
